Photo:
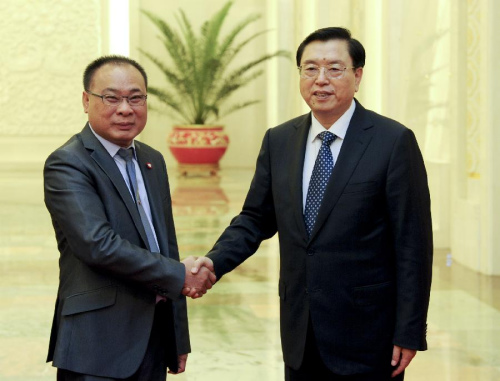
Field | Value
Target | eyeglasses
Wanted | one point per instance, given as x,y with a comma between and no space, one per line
116,100
311,71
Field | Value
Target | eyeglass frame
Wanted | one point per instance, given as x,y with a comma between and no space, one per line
121,98
326,71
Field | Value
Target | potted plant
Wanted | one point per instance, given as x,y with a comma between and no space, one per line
201,81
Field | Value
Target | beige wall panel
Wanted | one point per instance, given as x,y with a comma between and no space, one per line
475,170
46,46
491,104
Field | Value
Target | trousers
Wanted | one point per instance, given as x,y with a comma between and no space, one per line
314,369
156,359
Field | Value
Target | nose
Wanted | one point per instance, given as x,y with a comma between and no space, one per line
124,107
322,78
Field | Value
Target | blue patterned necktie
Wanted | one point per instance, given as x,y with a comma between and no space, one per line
321,173
127,155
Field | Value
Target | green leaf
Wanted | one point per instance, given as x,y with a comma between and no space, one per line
199,78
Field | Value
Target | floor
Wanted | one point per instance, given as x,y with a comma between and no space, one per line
235,328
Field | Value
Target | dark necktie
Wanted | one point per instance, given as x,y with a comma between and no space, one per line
321,173
127,155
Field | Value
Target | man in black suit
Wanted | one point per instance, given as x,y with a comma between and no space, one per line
346,191
119,314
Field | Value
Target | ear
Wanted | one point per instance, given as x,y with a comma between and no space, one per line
85,102
358,74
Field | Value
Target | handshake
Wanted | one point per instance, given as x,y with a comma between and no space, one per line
200,276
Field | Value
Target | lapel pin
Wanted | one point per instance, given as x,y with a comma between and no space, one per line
149,165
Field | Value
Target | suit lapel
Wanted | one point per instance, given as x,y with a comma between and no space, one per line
297,146
102,158
356,141
149,170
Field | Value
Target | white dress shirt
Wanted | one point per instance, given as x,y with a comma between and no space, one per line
112,149
313,145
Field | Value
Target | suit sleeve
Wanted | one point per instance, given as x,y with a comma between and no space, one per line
408,202
255,223
82,226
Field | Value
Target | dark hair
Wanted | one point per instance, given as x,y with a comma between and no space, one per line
92,67
356,50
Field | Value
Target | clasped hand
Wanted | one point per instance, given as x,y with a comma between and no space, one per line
200,276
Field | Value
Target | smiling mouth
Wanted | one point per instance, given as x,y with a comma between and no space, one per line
322,94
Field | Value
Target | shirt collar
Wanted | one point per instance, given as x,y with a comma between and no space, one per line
112,148
338,128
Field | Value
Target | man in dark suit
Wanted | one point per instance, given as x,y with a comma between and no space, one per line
120,314
346,191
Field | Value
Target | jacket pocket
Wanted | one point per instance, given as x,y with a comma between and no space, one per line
89,300
374,294
368,186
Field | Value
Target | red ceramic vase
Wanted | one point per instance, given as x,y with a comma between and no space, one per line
198,147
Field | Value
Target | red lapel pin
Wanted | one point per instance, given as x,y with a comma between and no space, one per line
149,165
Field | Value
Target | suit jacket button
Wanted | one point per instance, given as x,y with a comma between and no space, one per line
311,252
